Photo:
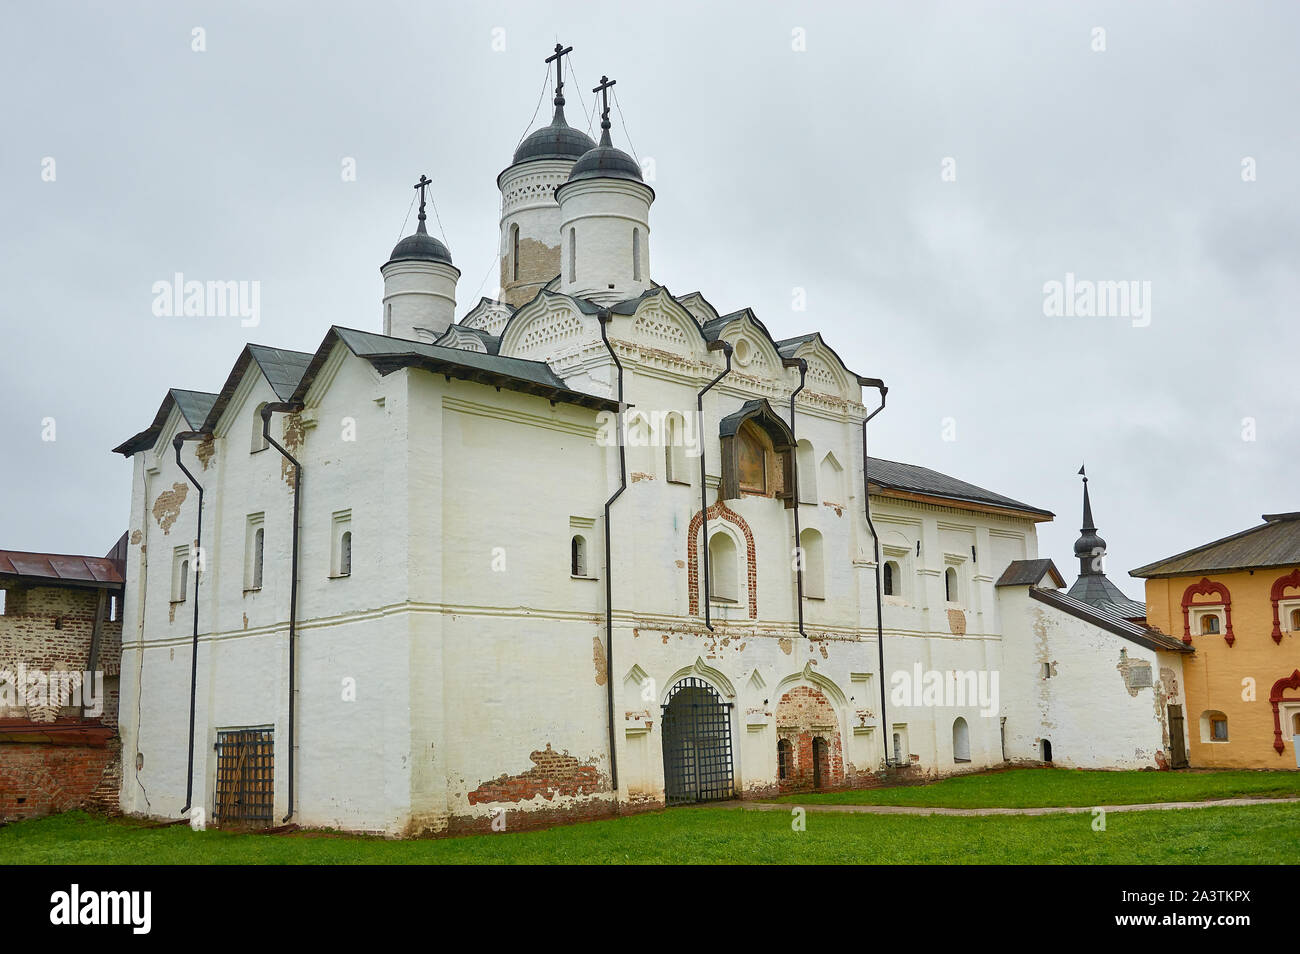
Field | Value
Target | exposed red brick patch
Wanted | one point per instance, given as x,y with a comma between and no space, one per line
553,773
598,657
167,505
205,452
957,622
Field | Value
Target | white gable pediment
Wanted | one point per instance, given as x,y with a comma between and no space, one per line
662,324
488,315
549,328
752,350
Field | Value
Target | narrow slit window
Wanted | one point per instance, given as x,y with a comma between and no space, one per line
259,550
514,252
578,555
573,255
636,255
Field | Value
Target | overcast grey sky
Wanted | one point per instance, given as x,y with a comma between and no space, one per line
776,168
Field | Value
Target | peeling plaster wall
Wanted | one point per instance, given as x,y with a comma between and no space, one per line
1091,715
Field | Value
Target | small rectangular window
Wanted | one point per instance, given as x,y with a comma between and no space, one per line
1220,727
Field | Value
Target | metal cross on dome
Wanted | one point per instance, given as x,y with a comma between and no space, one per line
557,58
603,89
424,183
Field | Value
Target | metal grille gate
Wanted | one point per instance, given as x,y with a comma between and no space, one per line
245,777
697,744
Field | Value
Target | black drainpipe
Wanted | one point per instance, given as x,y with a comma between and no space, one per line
604,318
879,385
725,348
177,442
802,365
267,411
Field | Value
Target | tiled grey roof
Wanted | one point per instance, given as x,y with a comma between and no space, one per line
281,368
1134,632
389,354
1098,591
1276,542
194,405
1028,573
893,475
788,346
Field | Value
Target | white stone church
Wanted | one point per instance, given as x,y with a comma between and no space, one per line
591,548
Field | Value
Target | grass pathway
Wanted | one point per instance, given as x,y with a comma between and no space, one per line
975,812
1057,788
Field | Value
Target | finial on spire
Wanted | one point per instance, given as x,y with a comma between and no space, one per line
422,185
603,89
558,59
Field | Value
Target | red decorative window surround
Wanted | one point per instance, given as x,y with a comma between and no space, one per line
1205,588
721,511
1280,586
1290,682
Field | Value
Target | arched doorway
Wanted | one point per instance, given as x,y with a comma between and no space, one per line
1047,750
697,744
960,740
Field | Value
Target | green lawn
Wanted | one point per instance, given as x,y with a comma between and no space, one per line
1263,834
1038,787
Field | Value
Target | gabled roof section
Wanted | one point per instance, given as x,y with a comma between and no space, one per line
281,368
486,314
1276,542
713,329
787,347
57,569
911,479
1134,632
390,354
194,407
699,306
1100,592
1029,573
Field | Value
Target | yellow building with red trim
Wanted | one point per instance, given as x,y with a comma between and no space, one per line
1236,602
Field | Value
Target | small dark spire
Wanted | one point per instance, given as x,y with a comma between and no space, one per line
421,186
1089,546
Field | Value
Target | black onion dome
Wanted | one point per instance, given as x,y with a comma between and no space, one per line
1089,544
420,247
605,162
559,140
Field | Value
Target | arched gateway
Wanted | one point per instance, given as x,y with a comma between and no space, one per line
697,744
